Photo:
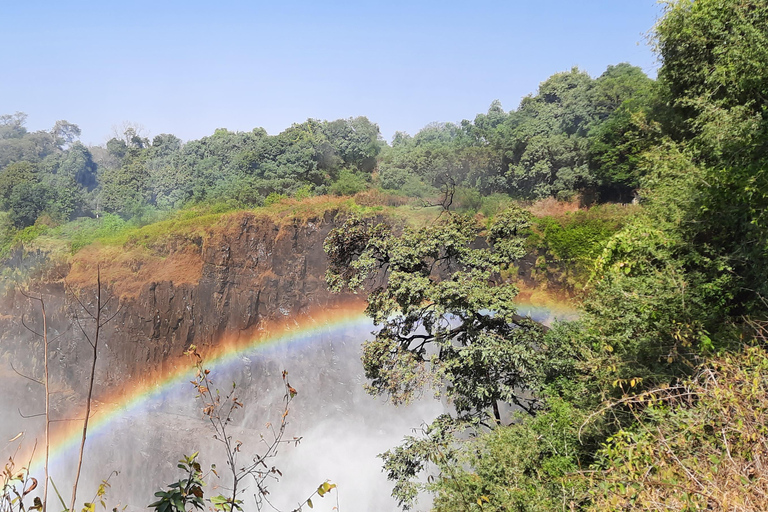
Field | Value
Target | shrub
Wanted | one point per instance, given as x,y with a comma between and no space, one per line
348,184
697,446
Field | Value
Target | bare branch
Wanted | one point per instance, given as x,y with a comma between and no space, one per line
29,328
119,309
26,376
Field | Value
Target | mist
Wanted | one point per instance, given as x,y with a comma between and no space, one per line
342,430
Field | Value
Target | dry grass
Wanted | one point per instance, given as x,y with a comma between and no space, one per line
699,446
551,207
289,210
375,197
128,270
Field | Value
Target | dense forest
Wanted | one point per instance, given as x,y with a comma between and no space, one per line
653,399
575,135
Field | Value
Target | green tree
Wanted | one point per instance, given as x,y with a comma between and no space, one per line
13,175
446,319
715,56
445,314
27,201
629,108
545,152
348,183
65,133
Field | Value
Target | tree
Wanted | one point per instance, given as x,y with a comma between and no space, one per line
125,186
445,315
13,175
715,56
12,125
65,133
98,315
77,163
356,141
616,85
544,147
27,201
447,319
43,335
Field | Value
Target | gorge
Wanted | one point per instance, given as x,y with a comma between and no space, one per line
248,290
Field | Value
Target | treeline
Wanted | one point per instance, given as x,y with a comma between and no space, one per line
576,135
43,173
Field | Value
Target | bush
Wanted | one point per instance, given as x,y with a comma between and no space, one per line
698,446
573,241
348,183
467,199
85,231
303,193
415,187
274,198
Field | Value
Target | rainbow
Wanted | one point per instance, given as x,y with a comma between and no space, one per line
298,333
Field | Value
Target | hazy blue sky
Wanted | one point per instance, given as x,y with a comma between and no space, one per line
189,67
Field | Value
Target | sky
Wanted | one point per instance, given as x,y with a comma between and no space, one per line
190,67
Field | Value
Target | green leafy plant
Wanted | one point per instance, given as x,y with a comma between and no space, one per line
187,492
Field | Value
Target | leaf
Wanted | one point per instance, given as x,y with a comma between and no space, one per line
309,503
31,487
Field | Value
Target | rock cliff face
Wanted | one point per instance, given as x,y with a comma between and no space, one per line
246,271
251,272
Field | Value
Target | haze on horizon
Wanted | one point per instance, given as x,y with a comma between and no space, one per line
189,68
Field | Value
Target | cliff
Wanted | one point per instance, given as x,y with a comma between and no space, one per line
197,287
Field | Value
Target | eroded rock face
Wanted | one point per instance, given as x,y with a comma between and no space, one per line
248,271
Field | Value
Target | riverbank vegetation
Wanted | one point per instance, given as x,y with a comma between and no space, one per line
653,399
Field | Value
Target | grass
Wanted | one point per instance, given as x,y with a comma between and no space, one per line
568,242
560,229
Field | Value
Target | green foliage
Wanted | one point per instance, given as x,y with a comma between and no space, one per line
444,315
617,143
467,199
87,231
303,193
715,61
527,466
694,446
553,145
447,320
27,201
572,242
547,153
274,198
185,494
348,183
495,203
12,176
